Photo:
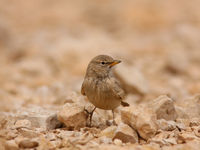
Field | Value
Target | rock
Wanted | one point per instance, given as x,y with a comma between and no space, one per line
141,119
131,79
11,145
164,138
126,134
28,133
181,126
23,124
181,113
28,144
117,142
166,125
73,116
164,108
191,106
52,122
185,122
197,131
162,142
105,140
38,116
184,137
11,134
50,136
194,122
109,132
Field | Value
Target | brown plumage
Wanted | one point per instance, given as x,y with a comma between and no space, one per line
100,86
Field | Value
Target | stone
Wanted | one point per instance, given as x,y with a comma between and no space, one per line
140,118
73,116
166,125
52,122
181,113
117,142
105,140
28,133
109,132
126,134
38,117
164,108
197,131
11,145
194,122
184,137
23,124
28,144
131,79
164,138
185,122
11,134
191,106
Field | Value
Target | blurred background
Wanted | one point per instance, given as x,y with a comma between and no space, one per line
45,46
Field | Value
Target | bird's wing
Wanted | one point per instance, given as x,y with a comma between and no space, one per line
82,89
117,90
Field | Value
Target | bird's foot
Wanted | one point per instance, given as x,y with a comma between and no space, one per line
90,114
110,123
114,123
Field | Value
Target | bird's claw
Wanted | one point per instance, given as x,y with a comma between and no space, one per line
114,123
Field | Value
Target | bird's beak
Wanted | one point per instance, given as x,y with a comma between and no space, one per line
114,63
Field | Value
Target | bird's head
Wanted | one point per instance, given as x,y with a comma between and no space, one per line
101,66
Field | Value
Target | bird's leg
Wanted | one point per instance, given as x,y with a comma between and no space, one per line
113,114
91,114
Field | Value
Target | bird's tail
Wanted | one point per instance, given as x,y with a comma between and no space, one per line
125,104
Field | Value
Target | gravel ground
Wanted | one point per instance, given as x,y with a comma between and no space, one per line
45,47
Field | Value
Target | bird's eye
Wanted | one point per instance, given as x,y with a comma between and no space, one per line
102,62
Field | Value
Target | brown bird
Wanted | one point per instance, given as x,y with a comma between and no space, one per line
101,87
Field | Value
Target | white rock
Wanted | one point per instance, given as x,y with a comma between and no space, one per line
38,116
73,116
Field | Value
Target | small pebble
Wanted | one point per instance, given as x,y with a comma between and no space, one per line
117,142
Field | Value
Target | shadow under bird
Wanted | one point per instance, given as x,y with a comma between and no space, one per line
102,89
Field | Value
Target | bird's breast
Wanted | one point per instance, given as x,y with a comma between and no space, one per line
100,94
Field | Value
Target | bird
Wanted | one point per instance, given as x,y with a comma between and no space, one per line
101,87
